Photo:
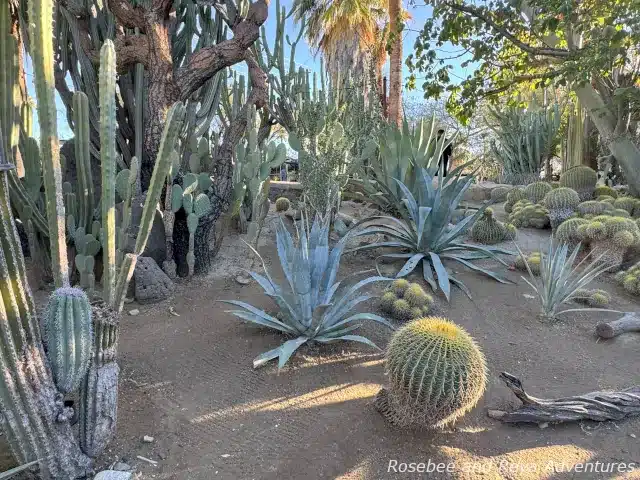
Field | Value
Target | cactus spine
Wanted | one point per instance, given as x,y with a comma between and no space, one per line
40,18
108,161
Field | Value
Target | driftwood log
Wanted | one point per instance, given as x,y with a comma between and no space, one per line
596,406
630,322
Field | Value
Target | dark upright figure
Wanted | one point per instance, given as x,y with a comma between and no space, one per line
446,154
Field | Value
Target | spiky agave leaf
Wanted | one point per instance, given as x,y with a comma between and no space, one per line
313,305
424,230
560,277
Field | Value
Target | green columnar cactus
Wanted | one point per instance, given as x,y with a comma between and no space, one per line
83,160
40,15
535,192
9,90
282,204
515,195
437,386
610,237
561,203
69,336
604,190
582,179
526,214
489,231
108,165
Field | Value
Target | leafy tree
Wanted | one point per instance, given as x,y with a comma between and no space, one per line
589,46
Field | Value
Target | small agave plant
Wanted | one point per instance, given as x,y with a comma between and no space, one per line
314,307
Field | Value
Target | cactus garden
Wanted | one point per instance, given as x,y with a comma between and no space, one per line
240,240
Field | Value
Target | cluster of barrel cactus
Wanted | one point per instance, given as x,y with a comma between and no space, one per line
561,203
593,298
406,301
582,179
532,259
514,196
610,237
488,230
630,279
604,191
527,214
438,386
567,232
629,204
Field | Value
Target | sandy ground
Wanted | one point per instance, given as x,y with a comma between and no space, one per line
187,381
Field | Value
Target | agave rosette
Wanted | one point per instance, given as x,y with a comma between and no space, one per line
424,231
313,304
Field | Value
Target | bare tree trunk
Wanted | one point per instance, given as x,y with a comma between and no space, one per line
395,63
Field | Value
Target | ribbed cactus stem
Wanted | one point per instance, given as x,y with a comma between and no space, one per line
41,21
108,164
83,159
172,128
9,90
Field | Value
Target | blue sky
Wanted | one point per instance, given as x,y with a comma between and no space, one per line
304,57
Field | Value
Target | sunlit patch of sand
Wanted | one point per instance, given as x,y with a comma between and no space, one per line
334,394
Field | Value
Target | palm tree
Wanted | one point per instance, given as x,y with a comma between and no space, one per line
348,33
395,62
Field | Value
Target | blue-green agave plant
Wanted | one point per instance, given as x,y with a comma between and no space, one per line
313,305
425,235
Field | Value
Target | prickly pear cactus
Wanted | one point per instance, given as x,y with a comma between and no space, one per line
438,386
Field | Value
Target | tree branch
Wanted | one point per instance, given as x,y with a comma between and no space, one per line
128,15
162,7
477,13
522,78
208,61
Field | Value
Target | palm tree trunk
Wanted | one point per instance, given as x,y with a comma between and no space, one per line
395,63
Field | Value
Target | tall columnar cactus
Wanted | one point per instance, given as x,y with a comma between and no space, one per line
40,20
582,179
437,386
108,165
561,203
69,336
83,159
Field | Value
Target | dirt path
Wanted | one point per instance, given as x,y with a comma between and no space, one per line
188,382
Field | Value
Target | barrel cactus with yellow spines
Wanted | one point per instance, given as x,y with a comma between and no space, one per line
488,230
561,203
514,196
582,179
567,232
499,194
596,298
606,198
399,286
533,259
604,190
437,386
592,208
629,204
630,279
536,191
406,301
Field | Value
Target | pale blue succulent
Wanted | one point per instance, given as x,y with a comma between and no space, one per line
424,233
313,305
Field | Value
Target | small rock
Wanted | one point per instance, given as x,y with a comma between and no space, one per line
225,455
134,312
162,455
113,475
543,425
128,300
147,439
632,435
151,283
122,467
243,280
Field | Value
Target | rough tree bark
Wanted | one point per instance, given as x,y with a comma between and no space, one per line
630,322
395,63
167,84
